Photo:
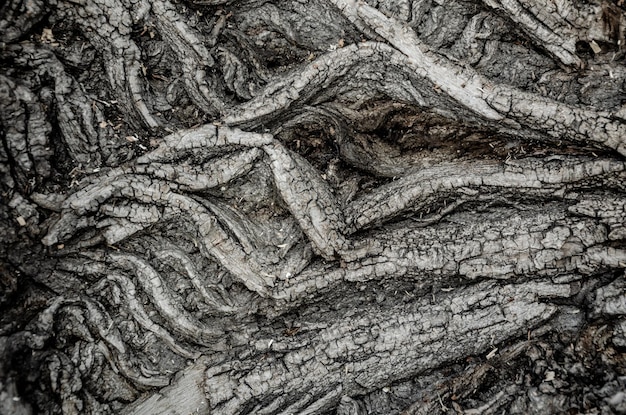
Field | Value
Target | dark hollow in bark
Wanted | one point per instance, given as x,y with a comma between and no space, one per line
340,206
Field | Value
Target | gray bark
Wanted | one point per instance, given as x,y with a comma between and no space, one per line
342,206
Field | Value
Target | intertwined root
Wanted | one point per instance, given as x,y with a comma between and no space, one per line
537,244
364,195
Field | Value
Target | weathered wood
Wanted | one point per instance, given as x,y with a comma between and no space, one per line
339,206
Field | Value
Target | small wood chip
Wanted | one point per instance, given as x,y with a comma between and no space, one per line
47,36
21,221
595,47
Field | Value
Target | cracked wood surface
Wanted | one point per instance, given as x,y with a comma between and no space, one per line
344,206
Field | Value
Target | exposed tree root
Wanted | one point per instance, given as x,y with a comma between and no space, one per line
334,207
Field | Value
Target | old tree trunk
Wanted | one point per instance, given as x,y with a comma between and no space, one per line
329,206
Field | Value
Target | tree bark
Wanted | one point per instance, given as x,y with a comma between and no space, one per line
340,206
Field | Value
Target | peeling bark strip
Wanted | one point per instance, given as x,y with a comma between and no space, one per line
464,88
356,356
309,199
416,191
140,315
204,289
398,207
169,308
534,245
553,29
208,138
193,55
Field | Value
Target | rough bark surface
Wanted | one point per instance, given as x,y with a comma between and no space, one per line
339,206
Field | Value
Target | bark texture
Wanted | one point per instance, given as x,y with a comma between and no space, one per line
339,206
